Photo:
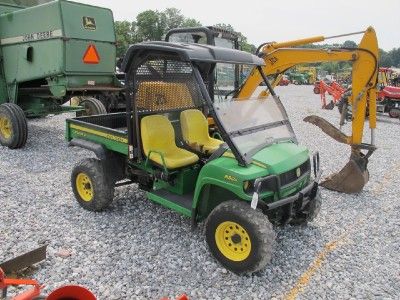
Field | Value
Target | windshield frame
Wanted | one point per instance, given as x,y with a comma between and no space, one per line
244,159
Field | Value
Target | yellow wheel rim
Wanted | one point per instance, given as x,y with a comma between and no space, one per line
5,127
84,187
233,241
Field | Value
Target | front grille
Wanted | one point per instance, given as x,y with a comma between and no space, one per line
292,175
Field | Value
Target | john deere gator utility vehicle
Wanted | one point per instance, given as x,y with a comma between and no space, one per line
245,176
50,53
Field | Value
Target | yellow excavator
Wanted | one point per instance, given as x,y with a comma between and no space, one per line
280,57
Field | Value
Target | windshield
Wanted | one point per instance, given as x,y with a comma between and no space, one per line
254,123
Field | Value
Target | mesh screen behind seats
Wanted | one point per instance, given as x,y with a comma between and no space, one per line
166,84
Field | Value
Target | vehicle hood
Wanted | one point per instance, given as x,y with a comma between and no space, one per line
282,157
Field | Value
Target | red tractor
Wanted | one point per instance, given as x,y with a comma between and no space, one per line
284,81
388,95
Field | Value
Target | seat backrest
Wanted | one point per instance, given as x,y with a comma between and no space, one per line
162,96
157,134
194,126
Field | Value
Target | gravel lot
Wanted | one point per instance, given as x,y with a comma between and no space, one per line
139,250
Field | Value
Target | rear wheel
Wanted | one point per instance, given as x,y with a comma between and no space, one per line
93,189
317,90
239,237
394,112
92,107
13,126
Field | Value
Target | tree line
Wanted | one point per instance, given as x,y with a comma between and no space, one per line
152,25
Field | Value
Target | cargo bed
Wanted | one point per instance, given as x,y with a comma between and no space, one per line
110,131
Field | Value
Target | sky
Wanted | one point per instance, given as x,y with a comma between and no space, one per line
265,21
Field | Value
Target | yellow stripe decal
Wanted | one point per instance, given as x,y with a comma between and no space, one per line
254,162
99,133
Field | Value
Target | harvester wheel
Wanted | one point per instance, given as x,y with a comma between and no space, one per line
93,189
92,107
13,126
312,210
317,90
240,238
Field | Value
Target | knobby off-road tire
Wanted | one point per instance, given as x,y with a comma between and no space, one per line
93,189
240,238
92,107
13,126
394,113
313,208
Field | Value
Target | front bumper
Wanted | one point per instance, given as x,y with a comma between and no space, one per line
298,201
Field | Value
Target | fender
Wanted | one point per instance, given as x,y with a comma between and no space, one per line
101,152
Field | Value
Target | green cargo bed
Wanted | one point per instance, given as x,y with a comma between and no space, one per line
110,131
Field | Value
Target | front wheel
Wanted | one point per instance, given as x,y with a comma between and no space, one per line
240,238
93,189
13,126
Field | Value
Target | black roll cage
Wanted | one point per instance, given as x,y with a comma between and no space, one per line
201,71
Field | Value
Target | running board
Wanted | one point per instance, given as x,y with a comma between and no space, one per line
179,203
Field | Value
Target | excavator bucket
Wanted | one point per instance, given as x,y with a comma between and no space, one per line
354,175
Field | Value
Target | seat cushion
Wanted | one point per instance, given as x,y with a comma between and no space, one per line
177,159
194,128
158,136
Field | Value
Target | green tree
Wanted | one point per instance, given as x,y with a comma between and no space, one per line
395,57
174,18
385,59
125,34
151,25
349,44
189,22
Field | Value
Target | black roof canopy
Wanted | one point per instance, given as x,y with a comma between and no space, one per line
193,53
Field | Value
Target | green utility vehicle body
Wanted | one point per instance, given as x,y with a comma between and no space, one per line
256,174
43,52
204,186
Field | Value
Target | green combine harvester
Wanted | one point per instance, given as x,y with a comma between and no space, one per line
51,52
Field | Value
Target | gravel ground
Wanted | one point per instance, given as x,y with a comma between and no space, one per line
139,250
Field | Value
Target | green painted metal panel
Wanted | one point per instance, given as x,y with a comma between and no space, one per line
46,59
275,159
113,141
76,49
36,19
73,15
4,8
169,204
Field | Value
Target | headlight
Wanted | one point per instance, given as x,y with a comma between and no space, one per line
248,186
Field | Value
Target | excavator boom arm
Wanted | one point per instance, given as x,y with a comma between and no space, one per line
279,58
364,72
